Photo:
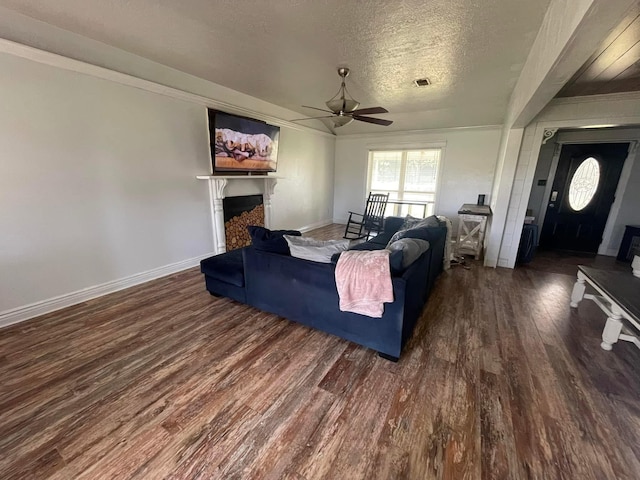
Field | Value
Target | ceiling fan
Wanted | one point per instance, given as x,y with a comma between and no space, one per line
343,109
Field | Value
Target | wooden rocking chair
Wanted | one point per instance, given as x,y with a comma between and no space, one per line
363,225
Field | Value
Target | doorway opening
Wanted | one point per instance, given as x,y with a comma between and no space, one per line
582,193
581,196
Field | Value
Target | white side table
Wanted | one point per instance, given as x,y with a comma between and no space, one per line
472,224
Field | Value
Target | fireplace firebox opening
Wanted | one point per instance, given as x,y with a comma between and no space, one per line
239,213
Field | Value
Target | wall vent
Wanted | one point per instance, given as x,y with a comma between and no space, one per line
422,82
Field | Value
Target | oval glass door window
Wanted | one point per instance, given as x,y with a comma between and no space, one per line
584,184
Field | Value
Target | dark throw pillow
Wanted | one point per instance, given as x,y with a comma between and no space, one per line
271,240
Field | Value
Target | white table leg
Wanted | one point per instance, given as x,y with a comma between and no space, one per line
612,329
578,291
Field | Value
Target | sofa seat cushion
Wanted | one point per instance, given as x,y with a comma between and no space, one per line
226,267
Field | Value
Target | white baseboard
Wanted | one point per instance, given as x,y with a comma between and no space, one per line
341,221
311,226
26,312
503,262
490,262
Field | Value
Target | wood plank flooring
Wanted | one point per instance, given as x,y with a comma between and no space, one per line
501,380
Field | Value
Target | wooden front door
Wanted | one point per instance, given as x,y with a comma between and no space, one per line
583,192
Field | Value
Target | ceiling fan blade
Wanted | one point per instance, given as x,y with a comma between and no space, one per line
377,121
314,108
369,111
311,118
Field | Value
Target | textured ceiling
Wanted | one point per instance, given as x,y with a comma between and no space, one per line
286,51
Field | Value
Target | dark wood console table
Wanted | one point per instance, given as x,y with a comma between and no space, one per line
619,298
630,245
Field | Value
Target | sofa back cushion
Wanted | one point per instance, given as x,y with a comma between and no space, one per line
411,226
411,249
315,250
423,232
271,240
414,222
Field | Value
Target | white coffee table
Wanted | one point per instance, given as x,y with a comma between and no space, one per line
619,297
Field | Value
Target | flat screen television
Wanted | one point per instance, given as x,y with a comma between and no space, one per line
240,144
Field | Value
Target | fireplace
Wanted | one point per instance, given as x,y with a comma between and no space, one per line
239,213
217,192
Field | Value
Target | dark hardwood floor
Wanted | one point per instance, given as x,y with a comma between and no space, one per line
567,263
501,380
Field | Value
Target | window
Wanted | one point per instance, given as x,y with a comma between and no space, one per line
584,184
408,176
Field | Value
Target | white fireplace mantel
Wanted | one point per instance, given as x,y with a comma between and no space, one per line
217,184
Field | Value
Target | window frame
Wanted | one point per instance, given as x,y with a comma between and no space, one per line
404,149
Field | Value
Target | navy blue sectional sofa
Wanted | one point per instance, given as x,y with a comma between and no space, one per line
305,291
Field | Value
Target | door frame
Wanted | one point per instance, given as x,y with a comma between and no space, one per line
546,130
620,188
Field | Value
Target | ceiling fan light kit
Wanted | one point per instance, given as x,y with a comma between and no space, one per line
343,108
342,102
344,105
342,121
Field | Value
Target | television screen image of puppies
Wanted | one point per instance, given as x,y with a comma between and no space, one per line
242,144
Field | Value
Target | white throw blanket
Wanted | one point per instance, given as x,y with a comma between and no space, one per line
363,280
447,245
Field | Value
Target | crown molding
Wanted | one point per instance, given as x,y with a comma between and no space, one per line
417,132
605,97
77,66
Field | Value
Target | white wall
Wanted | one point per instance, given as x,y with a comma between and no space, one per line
304,194
466,170
97,182
98,188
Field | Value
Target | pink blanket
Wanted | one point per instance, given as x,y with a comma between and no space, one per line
363,280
